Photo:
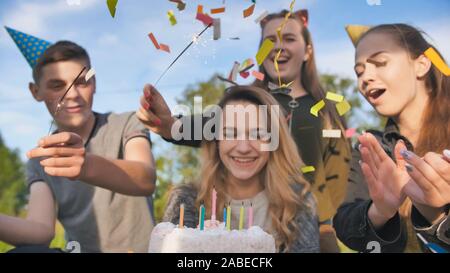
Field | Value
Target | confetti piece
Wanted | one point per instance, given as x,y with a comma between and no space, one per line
247,68
284,85
158,46
216,28
331,133
234,38
204,18
317,107
180,4
355,32
164,47
171,16
89,74
277,56
154,41
234,71
199,9
308,169
262,16
258,75
218,10
264,51
246,65
437,61
249,11
280,38
350,132
244,74
112,7
334,97
343,107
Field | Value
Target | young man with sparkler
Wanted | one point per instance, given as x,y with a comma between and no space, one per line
95,173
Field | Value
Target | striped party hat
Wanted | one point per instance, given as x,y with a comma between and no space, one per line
31,47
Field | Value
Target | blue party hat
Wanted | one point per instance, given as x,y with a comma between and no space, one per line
31,47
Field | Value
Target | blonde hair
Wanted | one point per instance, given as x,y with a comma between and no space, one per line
280,176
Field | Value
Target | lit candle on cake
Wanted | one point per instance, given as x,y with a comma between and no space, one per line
202,217
250,216
181,224
229,217
213,207
241,217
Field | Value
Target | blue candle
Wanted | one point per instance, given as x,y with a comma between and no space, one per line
224,214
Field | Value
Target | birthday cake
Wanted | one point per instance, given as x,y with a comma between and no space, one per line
168,238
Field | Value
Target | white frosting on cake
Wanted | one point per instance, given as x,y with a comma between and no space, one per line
168,238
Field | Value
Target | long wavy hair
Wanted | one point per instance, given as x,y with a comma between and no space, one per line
281,177
434,134
435,130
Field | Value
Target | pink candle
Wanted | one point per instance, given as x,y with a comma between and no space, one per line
213,207
250,216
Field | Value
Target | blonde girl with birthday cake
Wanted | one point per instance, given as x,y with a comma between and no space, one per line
247,192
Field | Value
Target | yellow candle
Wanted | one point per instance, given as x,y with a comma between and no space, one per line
228,217
181,216
241,217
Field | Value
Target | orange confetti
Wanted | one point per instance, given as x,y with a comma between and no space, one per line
155,42
158,46
164,48
437,61
258,75
218,10
249,11
199,9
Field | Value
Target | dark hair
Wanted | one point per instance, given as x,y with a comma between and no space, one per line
60,51
309,74
435,131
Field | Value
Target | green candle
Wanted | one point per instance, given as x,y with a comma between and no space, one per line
241,217
202,217
229,217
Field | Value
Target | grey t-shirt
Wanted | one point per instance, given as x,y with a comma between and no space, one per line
260,206
99,219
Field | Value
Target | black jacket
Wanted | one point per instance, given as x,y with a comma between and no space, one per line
351,222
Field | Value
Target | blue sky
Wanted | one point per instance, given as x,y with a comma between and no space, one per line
125,59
